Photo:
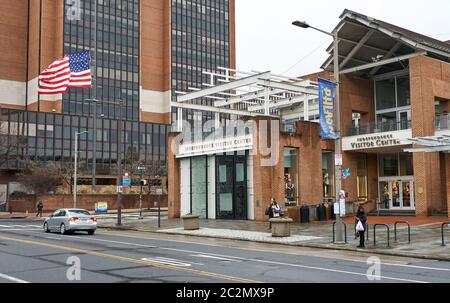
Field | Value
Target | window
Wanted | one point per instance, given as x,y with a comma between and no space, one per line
403,92
291,175
385,94
328,175
388,165
362,176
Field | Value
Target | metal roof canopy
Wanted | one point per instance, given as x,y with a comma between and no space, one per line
247,93
370,47
431,144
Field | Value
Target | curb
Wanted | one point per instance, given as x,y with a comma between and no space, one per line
306,245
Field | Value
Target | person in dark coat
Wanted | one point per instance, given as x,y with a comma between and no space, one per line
362,217
270,212
40,207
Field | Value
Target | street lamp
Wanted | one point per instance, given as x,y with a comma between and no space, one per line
337,120
141,169
76,168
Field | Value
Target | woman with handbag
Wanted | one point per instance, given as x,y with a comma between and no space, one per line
361,225
270,211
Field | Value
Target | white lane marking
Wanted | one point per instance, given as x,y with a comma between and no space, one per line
279,252
215,258
9,278
4,225
246,259
337,271
173,262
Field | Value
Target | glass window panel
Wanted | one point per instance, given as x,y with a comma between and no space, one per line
388,165
406,164
403,91
385,94
199,186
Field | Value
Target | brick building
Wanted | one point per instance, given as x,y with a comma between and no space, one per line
145,51
394,99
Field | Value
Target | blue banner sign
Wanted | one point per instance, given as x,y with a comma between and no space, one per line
326,101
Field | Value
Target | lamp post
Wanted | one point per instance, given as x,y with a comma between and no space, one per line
337,121
75,181
141,169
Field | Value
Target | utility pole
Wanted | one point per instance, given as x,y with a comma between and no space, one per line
119,168
75,172
337,121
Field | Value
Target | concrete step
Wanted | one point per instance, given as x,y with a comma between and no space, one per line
406,213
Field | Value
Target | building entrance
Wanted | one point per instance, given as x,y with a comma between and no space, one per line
231,187
397,193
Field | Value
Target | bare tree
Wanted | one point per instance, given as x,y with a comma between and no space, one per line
41,177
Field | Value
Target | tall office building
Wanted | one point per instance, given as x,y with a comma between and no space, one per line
145,51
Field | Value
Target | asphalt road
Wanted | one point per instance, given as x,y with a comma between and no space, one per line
27,254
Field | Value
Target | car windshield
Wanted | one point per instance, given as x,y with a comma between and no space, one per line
79,212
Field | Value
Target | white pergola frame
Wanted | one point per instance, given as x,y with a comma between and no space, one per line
440,143
247,94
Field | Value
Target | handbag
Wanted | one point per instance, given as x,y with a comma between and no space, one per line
267,211
359,226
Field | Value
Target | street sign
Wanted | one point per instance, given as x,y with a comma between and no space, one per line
338,159
159,191
126,181
119,189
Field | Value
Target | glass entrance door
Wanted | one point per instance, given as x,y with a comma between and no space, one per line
231,187
397,194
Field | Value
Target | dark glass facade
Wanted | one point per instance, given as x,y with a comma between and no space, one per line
200,42
51,137
117,56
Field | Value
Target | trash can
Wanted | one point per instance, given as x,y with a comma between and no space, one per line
304,214
321,213
313,213
332,214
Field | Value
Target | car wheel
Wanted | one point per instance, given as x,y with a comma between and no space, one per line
46,227
63,230
91,232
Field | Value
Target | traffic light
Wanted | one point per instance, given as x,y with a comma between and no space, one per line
143,182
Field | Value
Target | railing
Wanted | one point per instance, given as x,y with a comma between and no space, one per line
442,122
409,230
373,128
375,233
334,232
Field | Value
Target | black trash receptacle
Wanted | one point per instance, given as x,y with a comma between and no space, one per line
304,214
333,215
321,212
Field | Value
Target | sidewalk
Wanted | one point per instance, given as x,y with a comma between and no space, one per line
425,234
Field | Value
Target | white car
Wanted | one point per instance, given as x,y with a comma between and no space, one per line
69,220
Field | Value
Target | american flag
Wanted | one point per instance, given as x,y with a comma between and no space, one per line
72,70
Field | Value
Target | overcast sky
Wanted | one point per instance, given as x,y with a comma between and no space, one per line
266,40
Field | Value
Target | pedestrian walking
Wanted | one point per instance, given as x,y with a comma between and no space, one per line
40,207
361,225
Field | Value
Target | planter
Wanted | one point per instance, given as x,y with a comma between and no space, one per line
281,227
191,222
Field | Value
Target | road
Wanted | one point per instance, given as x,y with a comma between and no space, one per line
28,254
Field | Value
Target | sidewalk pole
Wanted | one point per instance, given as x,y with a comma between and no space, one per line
159,211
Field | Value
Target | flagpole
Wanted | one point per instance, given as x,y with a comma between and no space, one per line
94,137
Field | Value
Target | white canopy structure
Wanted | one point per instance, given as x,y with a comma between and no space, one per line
247,94
440,143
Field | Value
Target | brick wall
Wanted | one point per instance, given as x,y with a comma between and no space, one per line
54,202
430,80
